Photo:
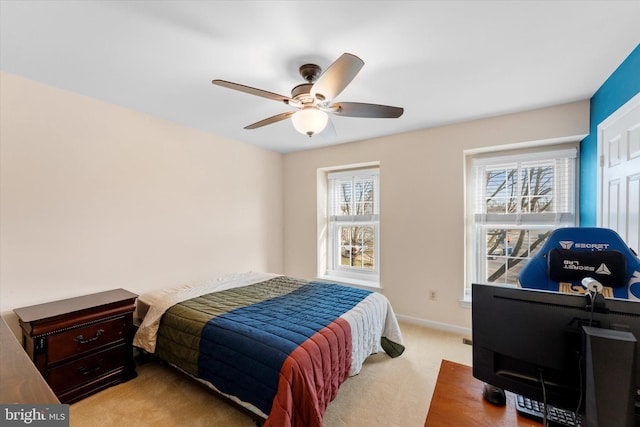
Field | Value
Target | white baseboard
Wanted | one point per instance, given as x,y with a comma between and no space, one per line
436,325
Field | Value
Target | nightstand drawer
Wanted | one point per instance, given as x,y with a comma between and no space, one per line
80,340
86,369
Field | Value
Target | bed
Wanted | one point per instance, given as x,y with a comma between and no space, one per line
277,346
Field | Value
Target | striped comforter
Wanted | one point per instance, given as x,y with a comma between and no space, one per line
282,346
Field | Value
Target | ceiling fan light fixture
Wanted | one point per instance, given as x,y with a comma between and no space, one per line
310,120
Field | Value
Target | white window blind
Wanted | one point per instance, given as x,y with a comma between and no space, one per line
526,188
354,195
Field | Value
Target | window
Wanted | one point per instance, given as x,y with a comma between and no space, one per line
353,226
514,201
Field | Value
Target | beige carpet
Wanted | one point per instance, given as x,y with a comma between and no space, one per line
387,392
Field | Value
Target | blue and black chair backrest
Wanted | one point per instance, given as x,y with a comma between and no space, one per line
571,254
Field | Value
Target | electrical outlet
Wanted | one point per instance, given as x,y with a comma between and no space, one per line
433,295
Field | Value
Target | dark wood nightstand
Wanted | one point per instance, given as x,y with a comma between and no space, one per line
81,345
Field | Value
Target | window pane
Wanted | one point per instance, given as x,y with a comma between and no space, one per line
496,192
496,183
502,191
536,240
508,250
513,269
364,196
495,238
357,248
512,190
344,198
537,189
496,268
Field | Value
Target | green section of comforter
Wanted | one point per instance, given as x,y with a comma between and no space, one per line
181,326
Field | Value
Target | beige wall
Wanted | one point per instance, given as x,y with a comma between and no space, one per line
94,196
422,204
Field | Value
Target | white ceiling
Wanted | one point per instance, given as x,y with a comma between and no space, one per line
443,61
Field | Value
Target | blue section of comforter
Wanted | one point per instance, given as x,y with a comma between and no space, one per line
242,351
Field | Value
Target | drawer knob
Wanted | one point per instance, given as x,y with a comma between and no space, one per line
80,339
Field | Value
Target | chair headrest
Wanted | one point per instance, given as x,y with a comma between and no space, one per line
607,267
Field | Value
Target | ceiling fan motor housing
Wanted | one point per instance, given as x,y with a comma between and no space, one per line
310,72
302,93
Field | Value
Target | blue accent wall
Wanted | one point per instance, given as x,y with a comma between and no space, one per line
620,87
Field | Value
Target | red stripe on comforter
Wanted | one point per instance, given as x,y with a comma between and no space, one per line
311,376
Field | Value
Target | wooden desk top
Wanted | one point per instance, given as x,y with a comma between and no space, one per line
20,381
457,402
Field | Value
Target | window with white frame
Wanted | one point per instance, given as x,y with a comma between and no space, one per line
514,201
353,226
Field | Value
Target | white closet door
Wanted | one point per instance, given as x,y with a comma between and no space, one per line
619,192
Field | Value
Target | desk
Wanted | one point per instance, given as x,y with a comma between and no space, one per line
457,402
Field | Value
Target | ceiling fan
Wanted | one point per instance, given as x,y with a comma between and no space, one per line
313,98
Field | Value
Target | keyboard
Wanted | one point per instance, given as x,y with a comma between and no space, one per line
555,416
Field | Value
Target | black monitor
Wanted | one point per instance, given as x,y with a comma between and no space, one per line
524,336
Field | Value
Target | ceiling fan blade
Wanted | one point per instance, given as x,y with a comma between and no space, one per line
359,109
270,120
252,91
337,76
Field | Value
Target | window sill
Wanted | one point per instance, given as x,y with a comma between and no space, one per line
350,281
465,303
